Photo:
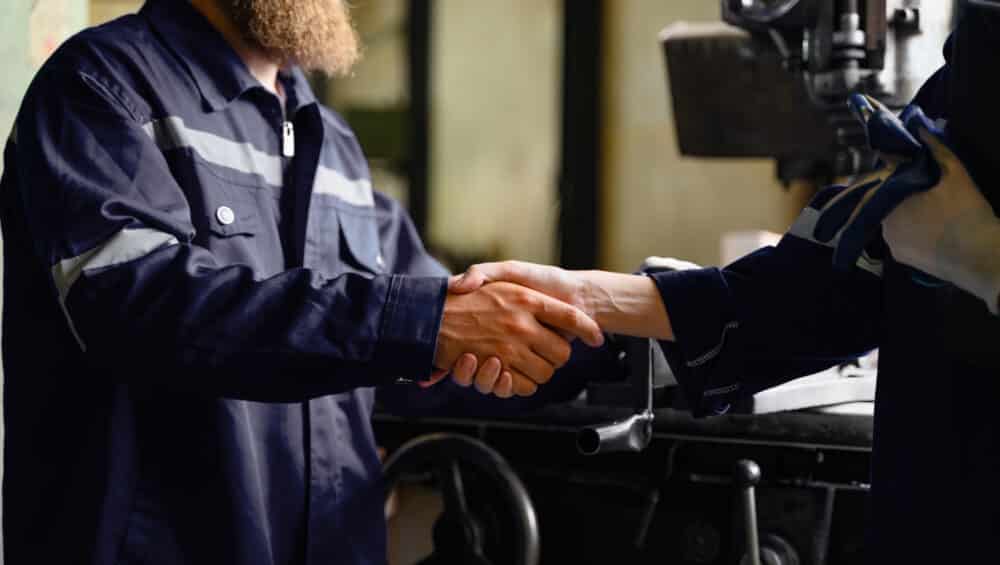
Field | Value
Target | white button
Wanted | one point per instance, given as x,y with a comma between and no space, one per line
380,261
225,215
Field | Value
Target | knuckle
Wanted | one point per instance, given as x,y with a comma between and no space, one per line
525,298
508,325
524,326
521,297
517,326
507,351
512,322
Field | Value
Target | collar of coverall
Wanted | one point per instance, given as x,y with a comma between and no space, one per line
216,68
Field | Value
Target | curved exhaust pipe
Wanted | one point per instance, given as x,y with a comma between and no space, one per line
629,435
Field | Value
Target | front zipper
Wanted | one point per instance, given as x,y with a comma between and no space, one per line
288,139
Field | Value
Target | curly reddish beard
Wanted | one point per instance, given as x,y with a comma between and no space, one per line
315,34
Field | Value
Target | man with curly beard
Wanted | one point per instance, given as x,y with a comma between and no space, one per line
203,294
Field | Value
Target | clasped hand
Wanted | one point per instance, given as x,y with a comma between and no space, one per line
523,334
507,326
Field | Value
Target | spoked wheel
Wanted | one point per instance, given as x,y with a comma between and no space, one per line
463,532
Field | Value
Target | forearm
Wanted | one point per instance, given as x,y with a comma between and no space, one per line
627,305
291,337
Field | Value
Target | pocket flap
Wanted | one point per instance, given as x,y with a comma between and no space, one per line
360,235
233,211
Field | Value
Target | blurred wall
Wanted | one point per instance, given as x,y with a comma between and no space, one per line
495,126
30,30
654,201
375,97
17,71
105,10
380,79
16,62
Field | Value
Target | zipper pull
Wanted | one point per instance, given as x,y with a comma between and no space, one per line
288,140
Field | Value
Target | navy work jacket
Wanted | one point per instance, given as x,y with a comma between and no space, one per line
785,312
195,321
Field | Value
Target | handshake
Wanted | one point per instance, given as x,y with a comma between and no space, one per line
507,327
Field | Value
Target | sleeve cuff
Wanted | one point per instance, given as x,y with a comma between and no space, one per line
705,355
410,324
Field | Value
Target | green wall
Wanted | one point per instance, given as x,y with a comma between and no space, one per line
28,30
16,64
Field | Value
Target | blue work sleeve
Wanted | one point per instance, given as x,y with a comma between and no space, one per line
775,315
113,228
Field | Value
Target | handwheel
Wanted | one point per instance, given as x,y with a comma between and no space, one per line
458,532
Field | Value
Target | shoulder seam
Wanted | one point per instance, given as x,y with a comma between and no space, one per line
108,89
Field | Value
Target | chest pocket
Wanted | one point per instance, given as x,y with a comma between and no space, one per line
342,238
359,241
231,213
230,219
228,202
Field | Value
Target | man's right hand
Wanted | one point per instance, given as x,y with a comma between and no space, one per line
519,326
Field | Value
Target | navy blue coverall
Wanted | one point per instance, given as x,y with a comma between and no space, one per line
196,321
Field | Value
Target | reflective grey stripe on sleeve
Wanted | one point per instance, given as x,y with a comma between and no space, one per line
722,390
172,133
715,351
804,227
357,192
126,245
867,263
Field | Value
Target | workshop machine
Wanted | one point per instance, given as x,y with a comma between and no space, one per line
626,474
782,71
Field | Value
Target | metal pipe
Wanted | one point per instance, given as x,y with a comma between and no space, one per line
750,518
630,435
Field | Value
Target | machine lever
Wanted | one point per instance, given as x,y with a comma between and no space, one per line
635,432
747,475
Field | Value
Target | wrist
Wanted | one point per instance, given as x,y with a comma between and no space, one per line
626,304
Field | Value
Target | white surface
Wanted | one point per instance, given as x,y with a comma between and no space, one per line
830,388
737,244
